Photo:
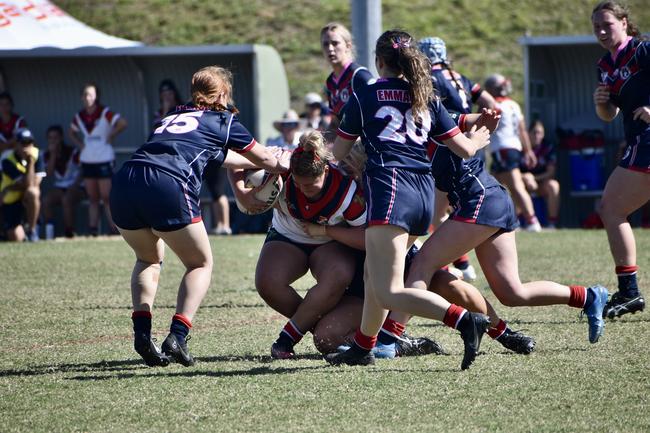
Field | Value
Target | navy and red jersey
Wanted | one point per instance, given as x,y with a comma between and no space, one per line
66,166
339,89
183,142
457,96
381,113
341,202
457,176
546,156
8,129
628,79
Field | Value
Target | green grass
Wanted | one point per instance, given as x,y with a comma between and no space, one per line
481,35
67,363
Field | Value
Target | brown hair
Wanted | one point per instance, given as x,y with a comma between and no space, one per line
94,86
311,157
620,11
398,51
339,28
208,84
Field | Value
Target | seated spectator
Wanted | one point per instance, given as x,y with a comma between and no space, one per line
62,164
289,128
169,98
540,179
314,114
22,172
10,122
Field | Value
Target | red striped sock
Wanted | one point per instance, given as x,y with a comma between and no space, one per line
292,331
393,327
146,314
578,296
364,341
498,330
453,315
626,270
184,320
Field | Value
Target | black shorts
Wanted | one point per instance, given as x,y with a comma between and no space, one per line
145,197
101,170
505,160
13,214
215,178
273,235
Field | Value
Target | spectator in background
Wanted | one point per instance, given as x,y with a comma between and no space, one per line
62,164
540,179
509,144
289,128
10,122
93,129
313,116
169,98
216,179
22,172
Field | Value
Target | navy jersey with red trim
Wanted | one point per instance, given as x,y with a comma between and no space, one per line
183,142
381,113
339,89
546,156
453,98
628,80
457,176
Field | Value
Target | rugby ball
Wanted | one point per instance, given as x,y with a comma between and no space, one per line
269,191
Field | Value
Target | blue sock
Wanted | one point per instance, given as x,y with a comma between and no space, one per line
628,286
179,329
386,338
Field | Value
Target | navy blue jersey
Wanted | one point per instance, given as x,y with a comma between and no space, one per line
628,79
183,142
457,176
381,113
458,95
338,89
546,156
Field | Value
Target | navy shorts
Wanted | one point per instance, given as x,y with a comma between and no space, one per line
145,197
102,170
399,197
637,156
357,287
13,214
505,160
493,207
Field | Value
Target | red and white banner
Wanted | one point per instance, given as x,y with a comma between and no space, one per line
27,24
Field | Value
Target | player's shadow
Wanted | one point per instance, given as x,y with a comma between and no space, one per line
170,306
195,372
133,364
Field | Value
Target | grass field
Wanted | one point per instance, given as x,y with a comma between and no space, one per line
67,363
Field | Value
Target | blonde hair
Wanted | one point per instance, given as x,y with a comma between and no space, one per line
208,84
311,157
400,54
339,28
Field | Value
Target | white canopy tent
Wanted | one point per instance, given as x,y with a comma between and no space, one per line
25,25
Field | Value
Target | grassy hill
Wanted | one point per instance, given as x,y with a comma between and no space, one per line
481,35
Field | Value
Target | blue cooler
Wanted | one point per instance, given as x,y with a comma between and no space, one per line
587,167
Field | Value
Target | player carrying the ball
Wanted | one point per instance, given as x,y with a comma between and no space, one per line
155,201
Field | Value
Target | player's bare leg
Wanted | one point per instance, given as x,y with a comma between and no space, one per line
149,252
192,246
625,192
